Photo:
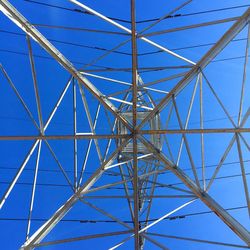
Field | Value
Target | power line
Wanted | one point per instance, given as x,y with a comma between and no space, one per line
73,10
187,47
117,188
196,13
76,10
67,43
111,173
110,69
121,52
102,68
182,216
46,57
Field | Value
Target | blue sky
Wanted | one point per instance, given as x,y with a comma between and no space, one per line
225,77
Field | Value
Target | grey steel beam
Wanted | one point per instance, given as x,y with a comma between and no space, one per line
35,83
80,238
15,16
86,157
243,86
202,195
198,240
61,137
131,197
19,97
205,60
19,172
33,192
134,121
195,131
192,26
75,153
90,121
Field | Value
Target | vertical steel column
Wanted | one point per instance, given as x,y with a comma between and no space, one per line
135,162
75,132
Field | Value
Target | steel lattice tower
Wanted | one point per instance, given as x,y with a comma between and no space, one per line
134,141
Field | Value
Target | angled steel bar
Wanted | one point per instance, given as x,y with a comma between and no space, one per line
243,173
218,99
149,239
196,131
80,238
140,69
125,185
205,60
103,56
222,159
166,16
19,172
105,213
153,172
91,125
186,144
64,209
19,97
167,124
109,141
75,132
165,79
134,121
28,28
33,70
33,191
202,135
192,26
167,50
106,78
78,136
169,185
198,240
244,75
203,196
89,147
245,142
129,103
57,103
114,127
187,118
59,165
167,215
158,244
139,88
121,82
80,29
151,194
131,160
129,179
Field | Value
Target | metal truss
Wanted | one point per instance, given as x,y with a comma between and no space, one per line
137,149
